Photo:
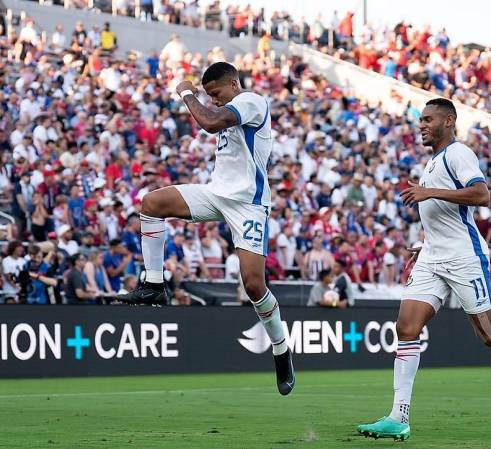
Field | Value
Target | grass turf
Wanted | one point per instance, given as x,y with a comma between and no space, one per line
451,407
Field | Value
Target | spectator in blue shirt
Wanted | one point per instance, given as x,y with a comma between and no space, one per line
175,258
129,136
131,240
304,244
389,67
116,259
438,78
153,64
75,207
174,249
38,268
324,196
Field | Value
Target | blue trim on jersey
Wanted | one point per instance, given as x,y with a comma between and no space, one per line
473,233
249,134
265,118
457,183
259,187
266,237
442,150
485,269
475,181
235,111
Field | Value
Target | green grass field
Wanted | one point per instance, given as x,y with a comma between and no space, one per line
451,407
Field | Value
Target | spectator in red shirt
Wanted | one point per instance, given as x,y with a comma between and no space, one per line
346,254
149,134
346,26
90,221
274,270
375,262
49,189
114,170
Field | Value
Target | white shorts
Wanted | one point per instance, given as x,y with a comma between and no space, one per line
248,222
466,278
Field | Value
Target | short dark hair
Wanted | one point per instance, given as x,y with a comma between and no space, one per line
12,246
76,257
341,263
443,103
34,250
218,71
324,273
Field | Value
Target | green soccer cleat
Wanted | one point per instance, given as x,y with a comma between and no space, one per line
386,427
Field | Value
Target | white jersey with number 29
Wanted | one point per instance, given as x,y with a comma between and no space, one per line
450,229
243,151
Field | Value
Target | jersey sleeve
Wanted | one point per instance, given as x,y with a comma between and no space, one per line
464,166
250,109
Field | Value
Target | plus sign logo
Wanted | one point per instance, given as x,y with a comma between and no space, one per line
353,336
78,342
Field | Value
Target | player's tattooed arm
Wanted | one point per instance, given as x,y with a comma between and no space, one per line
211,120
475,195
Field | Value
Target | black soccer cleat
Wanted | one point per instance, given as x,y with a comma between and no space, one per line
285,374
146,296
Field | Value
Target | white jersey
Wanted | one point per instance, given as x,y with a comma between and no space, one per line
243,151
450,230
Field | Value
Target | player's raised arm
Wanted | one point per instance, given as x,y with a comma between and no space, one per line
230,108
211,120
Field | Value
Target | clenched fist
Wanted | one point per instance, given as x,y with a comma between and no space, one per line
186,85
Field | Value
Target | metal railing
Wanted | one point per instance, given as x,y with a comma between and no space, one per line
209,19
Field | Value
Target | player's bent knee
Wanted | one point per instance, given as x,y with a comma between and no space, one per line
407,331
255,293
149,206
254,287
152,204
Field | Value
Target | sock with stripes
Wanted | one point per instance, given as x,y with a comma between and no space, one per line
153,239
406,366
268,311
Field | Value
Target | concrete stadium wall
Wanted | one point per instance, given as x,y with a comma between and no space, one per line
376,87
136,35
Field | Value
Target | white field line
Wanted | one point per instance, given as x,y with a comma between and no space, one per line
260,390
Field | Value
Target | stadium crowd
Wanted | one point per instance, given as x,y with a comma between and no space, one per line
84,135
422,57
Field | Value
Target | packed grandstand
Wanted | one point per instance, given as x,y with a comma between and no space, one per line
86,132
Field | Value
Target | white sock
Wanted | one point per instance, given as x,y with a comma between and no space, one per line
405,368
153,239
268,311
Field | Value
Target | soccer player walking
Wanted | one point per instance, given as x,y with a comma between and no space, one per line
454,257
238,193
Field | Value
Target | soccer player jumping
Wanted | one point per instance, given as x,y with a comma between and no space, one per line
238,193
454,257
